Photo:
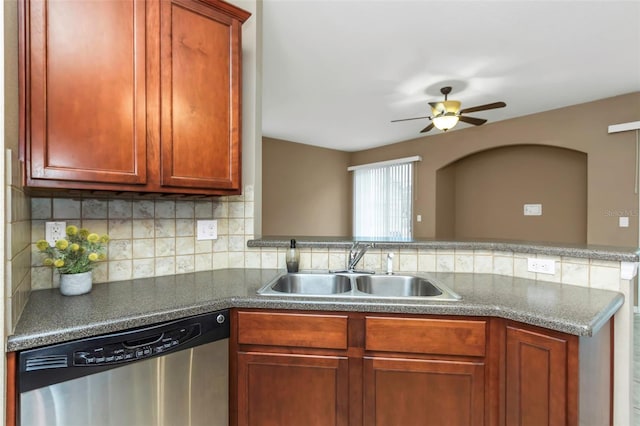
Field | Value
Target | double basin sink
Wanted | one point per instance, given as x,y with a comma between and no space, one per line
358,286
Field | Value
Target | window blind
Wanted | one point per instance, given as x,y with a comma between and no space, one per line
382,201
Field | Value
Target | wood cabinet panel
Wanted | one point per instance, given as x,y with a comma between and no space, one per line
278,389
11,397
423,392
427,336
200,81
536,378
141,96
298,330
86,80
410,370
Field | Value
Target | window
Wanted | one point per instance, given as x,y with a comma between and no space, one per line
383,199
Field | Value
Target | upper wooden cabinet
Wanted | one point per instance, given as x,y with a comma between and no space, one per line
131,95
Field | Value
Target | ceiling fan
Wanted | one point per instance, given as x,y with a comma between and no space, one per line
446,114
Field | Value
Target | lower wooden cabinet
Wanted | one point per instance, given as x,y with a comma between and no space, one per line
423,392
292,369
334,368
288,389
538,377
424,371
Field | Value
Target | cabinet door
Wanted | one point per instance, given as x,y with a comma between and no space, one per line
200,96
287,389
423,392
536,379
84,91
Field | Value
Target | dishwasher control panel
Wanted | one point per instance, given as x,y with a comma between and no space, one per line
136,349
44,366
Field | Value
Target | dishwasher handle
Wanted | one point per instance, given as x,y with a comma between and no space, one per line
134,344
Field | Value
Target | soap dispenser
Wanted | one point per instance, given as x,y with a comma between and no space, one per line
293,257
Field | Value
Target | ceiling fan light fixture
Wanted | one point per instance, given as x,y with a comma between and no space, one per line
446,121
446,114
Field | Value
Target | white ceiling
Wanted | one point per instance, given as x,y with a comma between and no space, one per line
336,72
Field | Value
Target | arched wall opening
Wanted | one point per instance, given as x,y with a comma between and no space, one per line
482,196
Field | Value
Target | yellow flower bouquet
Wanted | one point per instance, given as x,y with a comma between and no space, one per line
75,254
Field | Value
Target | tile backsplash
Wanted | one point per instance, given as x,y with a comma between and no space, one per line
150,237
568,270
17,245
158,237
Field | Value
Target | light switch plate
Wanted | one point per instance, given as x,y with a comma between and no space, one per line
207,230
533,209
623,221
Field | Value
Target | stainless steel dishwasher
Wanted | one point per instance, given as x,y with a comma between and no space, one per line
175,373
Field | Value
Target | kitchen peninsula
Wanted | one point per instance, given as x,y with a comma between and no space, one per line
502,308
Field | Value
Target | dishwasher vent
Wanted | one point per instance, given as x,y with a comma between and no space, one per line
46,361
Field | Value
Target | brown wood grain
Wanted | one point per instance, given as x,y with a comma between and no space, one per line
298,330
87,106
200,82
539,389
428,336
286,389
423,392
12,395
131,96
410,369
495,397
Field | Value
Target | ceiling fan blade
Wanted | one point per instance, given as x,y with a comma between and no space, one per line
426,129
472,120
407,119
484,107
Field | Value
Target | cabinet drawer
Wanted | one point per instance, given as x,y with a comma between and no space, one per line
299,330
427,336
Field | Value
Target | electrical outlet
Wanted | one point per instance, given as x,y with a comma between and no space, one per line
207,230
541,266
55,231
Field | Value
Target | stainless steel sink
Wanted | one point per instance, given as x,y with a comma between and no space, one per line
358,286
310,284
396,286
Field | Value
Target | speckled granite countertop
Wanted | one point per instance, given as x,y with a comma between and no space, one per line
620,254
51,318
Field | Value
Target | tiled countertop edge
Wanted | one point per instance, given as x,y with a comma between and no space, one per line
620,254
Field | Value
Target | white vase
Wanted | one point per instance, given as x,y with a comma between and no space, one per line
75,284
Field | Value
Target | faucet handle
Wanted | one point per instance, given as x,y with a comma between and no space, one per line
352,250
390,256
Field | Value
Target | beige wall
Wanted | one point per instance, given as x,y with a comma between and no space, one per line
306,190
610,160
489,190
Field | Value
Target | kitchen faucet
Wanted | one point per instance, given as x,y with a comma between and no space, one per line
356,253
